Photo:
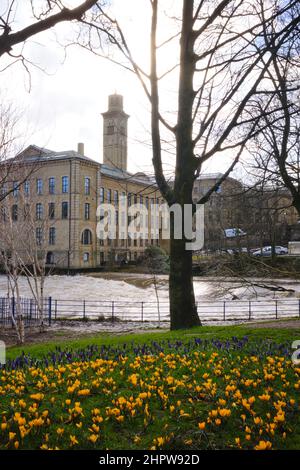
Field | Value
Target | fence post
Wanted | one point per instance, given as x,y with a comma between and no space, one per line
30,309
112,311
249,309
55,309
142,311
84,309
49,309
13,306
276,309
224,310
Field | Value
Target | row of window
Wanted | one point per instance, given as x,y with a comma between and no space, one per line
39,214
120,218
108,196
39,233
86,237
51,186
39,211
129,242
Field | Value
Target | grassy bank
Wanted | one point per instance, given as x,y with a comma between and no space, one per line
204,388
220,332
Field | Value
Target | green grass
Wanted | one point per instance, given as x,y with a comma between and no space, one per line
221,332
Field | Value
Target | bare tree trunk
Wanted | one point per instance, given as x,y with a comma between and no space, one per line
182,299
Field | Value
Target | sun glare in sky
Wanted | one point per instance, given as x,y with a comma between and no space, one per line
61,99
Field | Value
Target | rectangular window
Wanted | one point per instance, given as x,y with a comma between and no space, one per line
15,188
135,199
65,184
116,197
117,217
109,195
110,129
51,210
123,198
87,186
101,195
101,239
64,210
86,257
39,186
39,211
39,235
52,235
129,199
87,211
147,202
52,185
26,188
14,212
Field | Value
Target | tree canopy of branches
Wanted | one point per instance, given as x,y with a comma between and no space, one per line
276,148
45,15
222,55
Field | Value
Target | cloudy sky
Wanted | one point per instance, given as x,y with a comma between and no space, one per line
62,102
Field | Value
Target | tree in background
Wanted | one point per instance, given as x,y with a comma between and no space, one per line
220,58
276,147
45,14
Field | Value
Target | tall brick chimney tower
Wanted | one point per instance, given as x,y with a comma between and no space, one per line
115,133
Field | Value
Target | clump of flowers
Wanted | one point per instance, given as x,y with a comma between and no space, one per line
193,394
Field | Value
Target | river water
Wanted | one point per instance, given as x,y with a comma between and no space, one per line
134,295
140,287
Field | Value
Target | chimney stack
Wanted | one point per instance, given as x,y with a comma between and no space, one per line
80,148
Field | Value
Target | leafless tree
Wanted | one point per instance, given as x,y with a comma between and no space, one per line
221,59
10,241
276,148
27,235
45,14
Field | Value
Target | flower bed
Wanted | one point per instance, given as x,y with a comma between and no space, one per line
196,394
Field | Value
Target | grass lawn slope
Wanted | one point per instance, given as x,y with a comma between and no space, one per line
205,388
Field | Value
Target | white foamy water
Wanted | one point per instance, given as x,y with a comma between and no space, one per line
140,287
130,291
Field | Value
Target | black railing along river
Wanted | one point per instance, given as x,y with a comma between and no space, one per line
144,311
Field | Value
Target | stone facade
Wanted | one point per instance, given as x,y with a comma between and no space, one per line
74,186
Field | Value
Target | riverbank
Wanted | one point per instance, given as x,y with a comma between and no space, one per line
66,331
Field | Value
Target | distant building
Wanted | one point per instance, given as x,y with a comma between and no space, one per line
257,215
68,187
221,211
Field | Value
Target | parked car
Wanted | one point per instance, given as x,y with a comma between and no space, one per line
267,251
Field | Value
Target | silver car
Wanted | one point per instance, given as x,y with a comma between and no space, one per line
267,251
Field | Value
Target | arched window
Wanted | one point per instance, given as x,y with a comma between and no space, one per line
86,237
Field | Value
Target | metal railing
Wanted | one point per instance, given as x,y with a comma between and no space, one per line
28,308
146,311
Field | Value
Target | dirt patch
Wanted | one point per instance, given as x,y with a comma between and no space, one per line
68,330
